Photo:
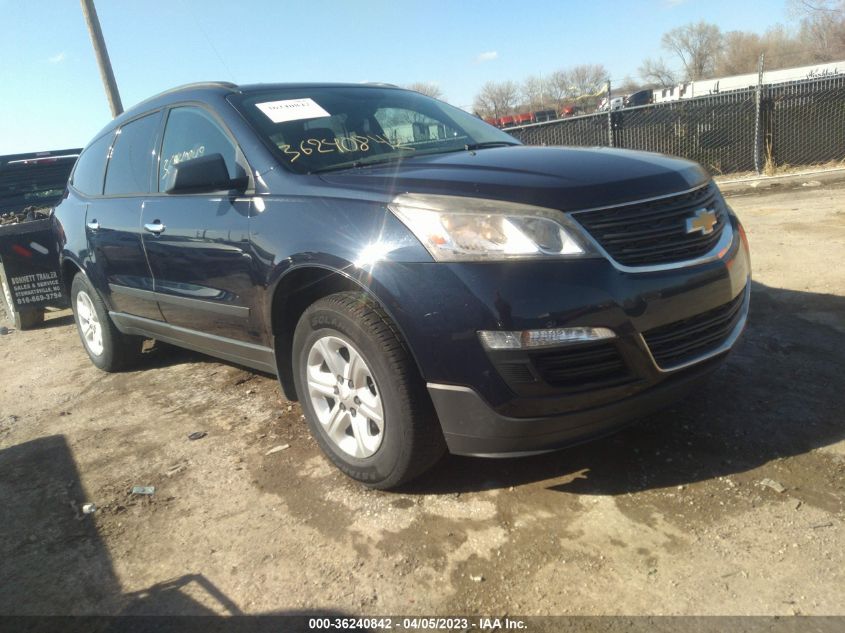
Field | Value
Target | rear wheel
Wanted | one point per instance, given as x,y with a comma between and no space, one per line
107,347
361,393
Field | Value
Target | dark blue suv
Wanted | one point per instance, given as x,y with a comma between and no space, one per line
416,278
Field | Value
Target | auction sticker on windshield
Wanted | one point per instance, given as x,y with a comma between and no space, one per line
292,110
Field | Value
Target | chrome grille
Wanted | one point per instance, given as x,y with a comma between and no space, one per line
655,232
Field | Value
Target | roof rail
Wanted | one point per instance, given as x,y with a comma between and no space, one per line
197,84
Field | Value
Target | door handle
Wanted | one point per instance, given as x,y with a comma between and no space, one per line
156,227
93,225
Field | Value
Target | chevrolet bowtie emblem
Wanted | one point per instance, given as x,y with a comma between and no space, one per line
703,220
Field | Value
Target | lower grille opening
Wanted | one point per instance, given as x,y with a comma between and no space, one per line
516,372
587,366
685,340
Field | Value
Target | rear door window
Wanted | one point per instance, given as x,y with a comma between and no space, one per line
91,166
132,157
192,133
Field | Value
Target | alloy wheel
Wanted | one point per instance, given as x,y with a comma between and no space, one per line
89,323
345,397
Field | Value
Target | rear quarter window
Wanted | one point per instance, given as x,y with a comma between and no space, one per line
91,167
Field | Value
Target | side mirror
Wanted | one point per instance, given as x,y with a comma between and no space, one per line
204,174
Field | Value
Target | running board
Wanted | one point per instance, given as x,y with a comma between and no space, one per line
240,352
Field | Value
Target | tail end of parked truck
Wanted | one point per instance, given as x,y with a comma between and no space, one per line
30,273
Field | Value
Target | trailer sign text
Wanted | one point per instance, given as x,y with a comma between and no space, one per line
36,288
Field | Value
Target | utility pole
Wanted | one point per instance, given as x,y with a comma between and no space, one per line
106,74
542,104
609,117
758,122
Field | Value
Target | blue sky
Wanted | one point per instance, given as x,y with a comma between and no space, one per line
52,96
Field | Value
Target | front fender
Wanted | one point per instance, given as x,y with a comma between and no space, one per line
348,237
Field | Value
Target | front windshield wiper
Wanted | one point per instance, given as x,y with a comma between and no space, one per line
486,144
360,162
381,159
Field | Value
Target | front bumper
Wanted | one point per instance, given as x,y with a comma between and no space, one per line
512,402
471,427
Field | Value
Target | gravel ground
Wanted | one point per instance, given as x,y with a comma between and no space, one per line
731,502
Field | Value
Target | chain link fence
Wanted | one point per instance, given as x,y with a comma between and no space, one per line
798,123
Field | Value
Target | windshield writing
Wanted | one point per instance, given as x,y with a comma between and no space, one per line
340,127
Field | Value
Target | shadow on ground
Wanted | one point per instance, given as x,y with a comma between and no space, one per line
54,561
56,321
781,393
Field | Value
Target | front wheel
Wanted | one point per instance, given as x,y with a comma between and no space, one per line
361,393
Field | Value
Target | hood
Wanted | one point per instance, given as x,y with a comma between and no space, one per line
553,177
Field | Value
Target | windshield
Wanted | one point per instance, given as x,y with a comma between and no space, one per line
336,127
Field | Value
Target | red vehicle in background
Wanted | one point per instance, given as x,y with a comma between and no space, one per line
506,121
523,118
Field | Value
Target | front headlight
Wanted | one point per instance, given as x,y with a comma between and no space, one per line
453,228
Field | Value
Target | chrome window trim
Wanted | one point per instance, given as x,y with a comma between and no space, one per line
725,346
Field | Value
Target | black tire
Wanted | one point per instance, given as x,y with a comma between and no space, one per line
19,320
412,440
119,351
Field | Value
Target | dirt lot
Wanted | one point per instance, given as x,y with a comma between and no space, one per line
668,517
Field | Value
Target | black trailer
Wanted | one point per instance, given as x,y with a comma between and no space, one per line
30,184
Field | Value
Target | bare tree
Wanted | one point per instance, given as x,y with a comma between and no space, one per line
657,72
558,88
429,89
586,79
822,28
534,94
627,86
741,51
783,49
697,46
497,98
